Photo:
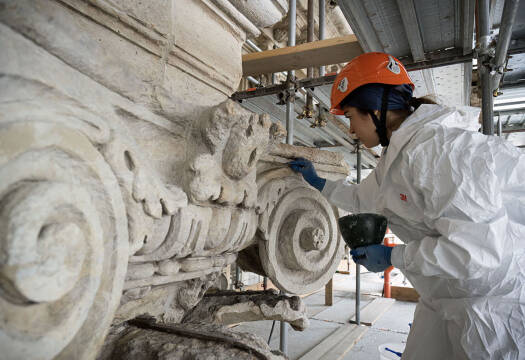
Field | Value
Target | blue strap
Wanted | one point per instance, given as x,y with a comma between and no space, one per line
395,352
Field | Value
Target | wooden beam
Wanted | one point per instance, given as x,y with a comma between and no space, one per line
329,293
316,53
260,287
404,293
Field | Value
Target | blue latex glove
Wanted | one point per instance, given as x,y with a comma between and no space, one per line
306,168
375,258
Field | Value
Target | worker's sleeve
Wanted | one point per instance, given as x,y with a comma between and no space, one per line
355,198
455,174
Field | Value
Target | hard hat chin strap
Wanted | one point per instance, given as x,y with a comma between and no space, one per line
381,122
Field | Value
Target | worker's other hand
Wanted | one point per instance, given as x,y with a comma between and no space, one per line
306,168
375,258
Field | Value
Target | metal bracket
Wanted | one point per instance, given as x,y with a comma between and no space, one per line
285,96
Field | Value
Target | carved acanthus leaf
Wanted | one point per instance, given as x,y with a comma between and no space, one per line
147,198
223,170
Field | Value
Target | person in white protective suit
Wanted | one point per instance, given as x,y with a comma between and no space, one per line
454,196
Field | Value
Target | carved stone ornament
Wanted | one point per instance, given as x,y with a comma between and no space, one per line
64,239
145,339
233,307
298,239
129,181
234,139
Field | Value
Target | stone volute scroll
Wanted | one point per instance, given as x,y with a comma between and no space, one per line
120,197
64,239
298,243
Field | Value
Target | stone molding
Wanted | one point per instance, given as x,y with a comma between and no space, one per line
262,13
116,202
87,177
65,238
169,39
85,180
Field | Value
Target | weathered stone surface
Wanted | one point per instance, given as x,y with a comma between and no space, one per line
64,239
315,155
165,303
222,163
231,307
298,241
262,13
127,180
144,340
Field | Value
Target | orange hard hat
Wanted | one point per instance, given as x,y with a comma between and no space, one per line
368,68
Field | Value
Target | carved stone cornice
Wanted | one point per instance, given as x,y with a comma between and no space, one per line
171,39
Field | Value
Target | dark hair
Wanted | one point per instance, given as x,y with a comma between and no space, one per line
417,102
345,101
412,102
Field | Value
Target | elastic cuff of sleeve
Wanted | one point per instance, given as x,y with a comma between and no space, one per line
328,187
398,256
319,183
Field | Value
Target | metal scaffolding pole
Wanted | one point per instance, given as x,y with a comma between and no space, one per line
486,101
290,117
484,61
310,26
357,266
308,111
290,108
510,9
322,24
274,75
253,45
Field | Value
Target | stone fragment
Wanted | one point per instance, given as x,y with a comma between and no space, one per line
231,307
145,339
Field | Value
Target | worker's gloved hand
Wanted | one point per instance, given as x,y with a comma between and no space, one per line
306,168
375,258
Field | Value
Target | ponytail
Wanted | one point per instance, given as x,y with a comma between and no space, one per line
414,103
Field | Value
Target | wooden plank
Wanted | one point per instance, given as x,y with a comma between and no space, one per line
259,287
339,351
329,293
343,272
302,296
316,53
337,344
374,310
339,312
402,293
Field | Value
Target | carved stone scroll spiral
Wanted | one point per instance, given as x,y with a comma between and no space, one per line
64,239
298,239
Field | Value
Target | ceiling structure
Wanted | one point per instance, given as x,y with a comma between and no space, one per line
424,32
417,31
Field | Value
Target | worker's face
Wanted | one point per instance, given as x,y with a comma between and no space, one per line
362,125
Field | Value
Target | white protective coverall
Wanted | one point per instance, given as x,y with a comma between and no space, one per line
456,198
